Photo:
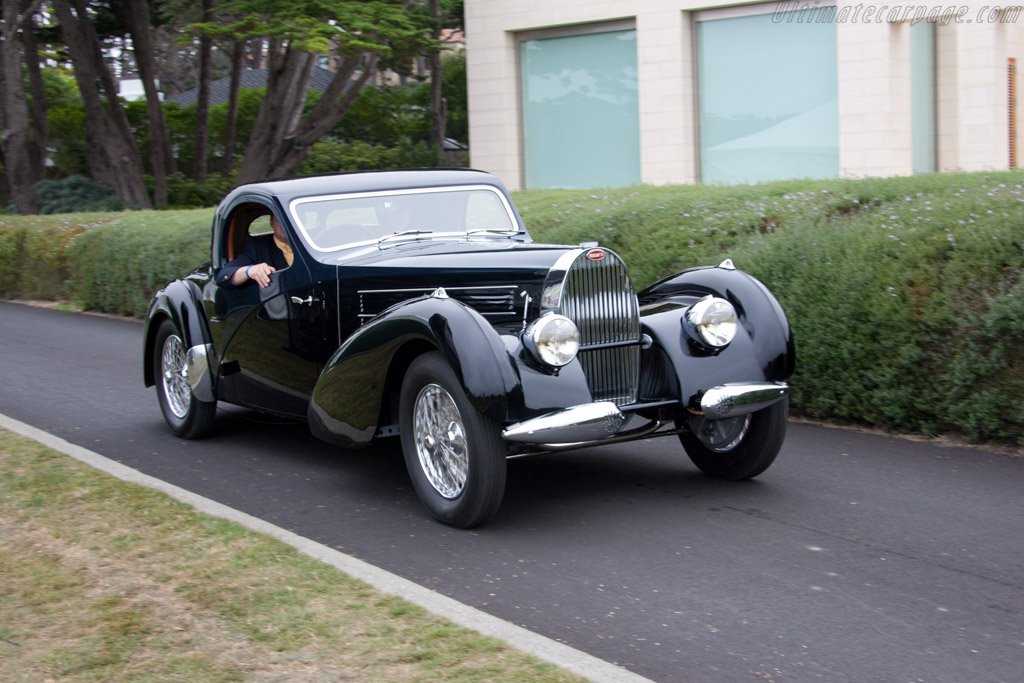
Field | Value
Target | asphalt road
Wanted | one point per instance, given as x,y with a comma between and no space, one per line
854,558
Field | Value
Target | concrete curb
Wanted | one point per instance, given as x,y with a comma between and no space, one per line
570,659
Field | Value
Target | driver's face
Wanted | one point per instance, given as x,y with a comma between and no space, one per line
278,232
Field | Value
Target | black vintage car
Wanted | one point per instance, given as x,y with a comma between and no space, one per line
416,305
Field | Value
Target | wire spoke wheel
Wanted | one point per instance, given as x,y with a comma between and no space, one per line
720,436
441,441
454,454
186,415
739,447
174,375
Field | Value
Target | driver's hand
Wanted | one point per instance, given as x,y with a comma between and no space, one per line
260,273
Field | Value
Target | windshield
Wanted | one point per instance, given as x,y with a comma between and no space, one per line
337,221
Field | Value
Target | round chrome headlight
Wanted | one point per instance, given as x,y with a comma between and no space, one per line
553,339
714,320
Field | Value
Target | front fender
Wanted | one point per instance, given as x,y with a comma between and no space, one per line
762,350
181,302
349,399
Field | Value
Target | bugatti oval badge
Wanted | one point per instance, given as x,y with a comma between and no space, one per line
595,254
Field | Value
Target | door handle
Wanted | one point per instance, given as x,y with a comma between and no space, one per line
308,301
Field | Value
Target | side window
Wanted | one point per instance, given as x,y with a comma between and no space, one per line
261,226
249,238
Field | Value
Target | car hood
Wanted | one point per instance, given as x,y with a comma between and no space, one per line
489,275
444,261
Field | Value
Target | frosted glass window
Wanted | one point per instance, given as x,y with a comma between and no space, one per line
768,97
922,95
580,110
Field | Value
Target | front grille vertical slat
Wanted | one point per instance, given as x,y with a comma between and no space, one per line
598,296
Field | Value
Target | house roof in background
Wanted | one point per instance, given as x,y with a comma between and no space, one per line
251,79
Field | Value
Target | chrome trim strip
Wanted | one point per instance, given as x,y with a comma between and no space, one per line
492,313
554,284
641,433
741,398
197,359
431,289
611,345
586,422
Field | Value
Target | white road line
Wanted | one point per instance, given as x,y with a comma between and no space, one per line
549,650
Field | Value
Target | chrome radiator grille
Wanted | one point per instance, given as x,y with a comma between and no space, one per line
598,296
612,373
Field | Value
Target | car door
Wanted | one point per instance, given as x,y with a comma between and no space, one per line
269,337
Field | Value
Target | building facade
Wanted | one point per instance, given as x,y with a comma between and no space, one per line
592,93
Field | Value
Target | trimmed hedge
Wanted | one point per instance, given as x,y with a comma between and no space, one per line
905,294
105,262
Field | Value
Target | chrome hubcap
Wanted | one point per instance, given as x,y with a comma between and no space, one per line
720,436
441,440
174,373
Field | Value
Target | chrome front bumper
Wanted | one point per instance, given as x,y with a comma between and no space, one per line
601,420
197,359
588,422
732,400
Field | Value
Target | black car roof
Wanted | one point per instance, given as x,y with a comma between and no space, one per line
373,181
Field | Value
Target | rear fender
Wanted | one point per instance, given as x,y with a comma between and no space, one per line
350,397
762,350
181,303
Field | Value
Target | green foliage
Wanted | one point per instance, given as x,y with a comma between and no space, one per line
76,193
335,156
394,30
455,93
185,192
60,88
382,116
904,294
118,266
384,129
66,138
33,254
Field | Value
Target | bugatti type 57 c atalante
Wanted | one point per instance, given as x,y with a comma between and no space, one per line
414,304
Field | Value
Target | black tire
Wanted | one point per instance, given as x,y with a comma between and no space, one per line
186,415
740,453
457,469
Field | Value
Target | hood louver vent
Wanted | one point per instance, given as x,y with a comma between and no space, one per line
496,303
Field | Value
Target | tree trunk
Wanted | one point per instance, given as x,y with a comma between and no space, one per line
15,139
277,150
160,153
256,53
288,76
37,105
438,114
114,159
203,106
230,128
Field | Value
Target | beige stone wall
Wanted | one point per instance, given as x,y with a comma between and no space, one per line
873,76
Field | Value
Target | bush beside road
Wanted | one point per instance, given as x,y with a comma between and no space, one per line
905,294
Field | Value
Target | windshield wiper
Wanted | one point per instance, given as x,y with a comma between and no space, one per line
403,233
497,231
